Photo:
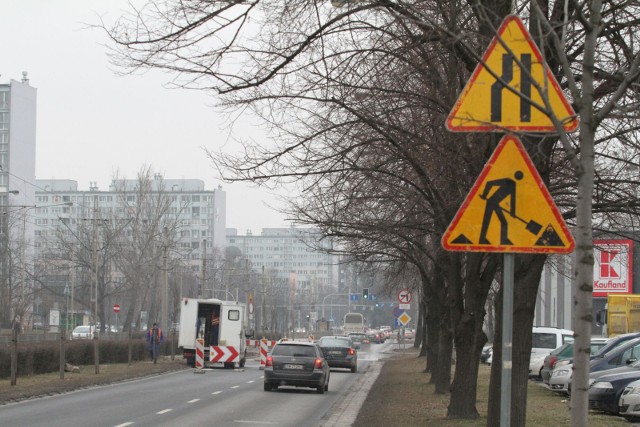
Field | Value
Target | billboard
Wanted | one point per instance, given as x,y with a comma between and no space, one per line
612,269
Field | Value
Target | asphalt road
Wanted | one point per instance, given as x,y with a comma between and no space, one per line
216,397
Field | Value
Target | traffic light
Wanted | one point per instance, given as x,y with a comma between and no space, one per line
365,293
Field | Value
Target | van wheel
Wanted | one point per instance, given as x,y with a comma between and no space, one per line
268,387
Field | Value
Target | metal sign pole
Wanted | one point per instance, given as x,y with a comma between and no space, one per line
507,333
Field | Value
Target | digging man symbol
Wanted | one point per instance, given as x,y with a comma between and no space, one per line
506,188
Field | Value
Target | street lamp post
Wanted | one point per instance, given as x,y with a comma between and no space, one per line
66,308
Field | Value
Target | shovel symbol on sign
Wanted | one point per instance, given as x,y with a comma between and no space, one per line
505,189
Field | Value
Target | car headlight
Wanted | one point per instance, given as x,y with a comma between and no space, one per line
633,390
601,384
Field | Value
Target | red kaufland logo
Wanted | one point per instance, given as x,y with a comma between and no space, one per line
607,271
612,272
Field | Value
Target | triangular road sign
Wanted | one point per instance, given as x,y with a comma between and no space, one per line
514,60
509,209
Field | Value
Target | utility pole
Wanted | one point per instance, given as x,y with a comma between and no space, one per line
96,353
165,291
203,271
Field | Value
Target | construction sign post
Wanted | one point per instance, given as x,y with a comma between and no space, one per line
509,209
511,89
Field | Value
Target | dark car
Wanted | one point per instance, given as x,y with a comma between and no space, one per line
605,391
625,354
359,339
375,337
297,364
340,352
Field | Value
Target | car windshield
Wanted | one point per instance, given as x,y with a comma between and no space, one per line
82,329
293,350
334,342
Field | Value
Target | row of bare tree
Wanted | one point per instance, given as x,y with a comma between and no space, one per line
354,101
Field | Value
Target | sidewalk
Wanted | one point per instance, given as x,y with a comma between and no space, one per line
346,411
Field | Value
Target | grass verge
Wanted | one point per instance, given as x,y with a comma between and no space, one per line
403,396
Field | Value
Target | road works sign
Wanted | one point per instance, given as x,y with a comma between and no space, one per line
505,92
509,209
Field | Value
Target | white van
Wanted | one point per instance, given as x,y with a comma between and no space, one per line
544,340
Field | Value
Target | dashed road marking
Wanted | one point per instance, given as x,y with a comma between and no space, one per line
124,424
193,401
164,411
217,392
235,386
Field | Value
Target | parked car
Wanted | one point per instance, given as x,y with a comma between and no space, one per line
629,403
605,391
83,332
565,351
297,364
486,355
339,352
543,341
359,339
626,352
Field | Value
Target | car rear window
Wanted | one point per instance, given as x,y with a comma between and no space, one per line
334,342
542,340
293,350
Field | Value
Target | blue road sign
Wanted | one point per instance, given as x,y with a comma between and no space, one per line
354,297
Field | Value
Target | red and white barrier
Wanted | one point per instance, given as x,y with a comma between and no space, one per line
222,353
264,349
199,353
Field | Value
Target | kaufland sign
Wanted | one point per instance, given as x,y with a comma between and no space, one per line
612,269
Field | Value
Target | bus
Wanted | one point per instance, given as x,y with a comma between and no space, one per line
354,322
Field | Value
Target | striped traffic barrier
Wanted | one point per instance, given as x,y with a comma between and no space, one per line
265,345
199,355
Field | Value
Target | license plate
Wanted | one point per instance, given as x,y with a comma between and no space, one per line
290,366
338,353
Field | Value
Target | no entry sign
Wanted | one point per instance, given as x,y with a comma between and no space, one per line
116,308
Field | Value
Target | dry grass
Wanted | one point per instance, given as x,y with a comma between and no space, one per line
402,396
49,384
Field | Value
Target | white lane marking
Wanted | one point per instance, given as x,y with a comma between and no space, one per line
217,392
164,411
266,423
124,424
193,401
249,382
235,386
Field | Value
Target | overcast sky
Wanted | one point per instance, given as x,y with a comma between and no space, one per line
93,124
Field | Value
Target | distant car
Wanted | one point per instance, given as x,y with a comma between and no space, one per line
409,334
359,339
297,364
83,332
626,353
339,352
566,352
375,337
543,341
485,356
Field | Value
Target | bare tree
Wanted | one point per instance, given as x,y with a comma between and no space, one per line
346,91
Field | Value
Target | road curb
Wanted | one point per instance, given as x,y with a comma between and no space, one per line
345,412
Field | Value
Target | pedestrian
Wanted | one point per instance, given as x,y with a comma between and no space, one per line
154,339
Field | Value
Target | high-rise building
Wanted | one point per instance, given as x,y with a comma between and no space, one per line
182,223
17,173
